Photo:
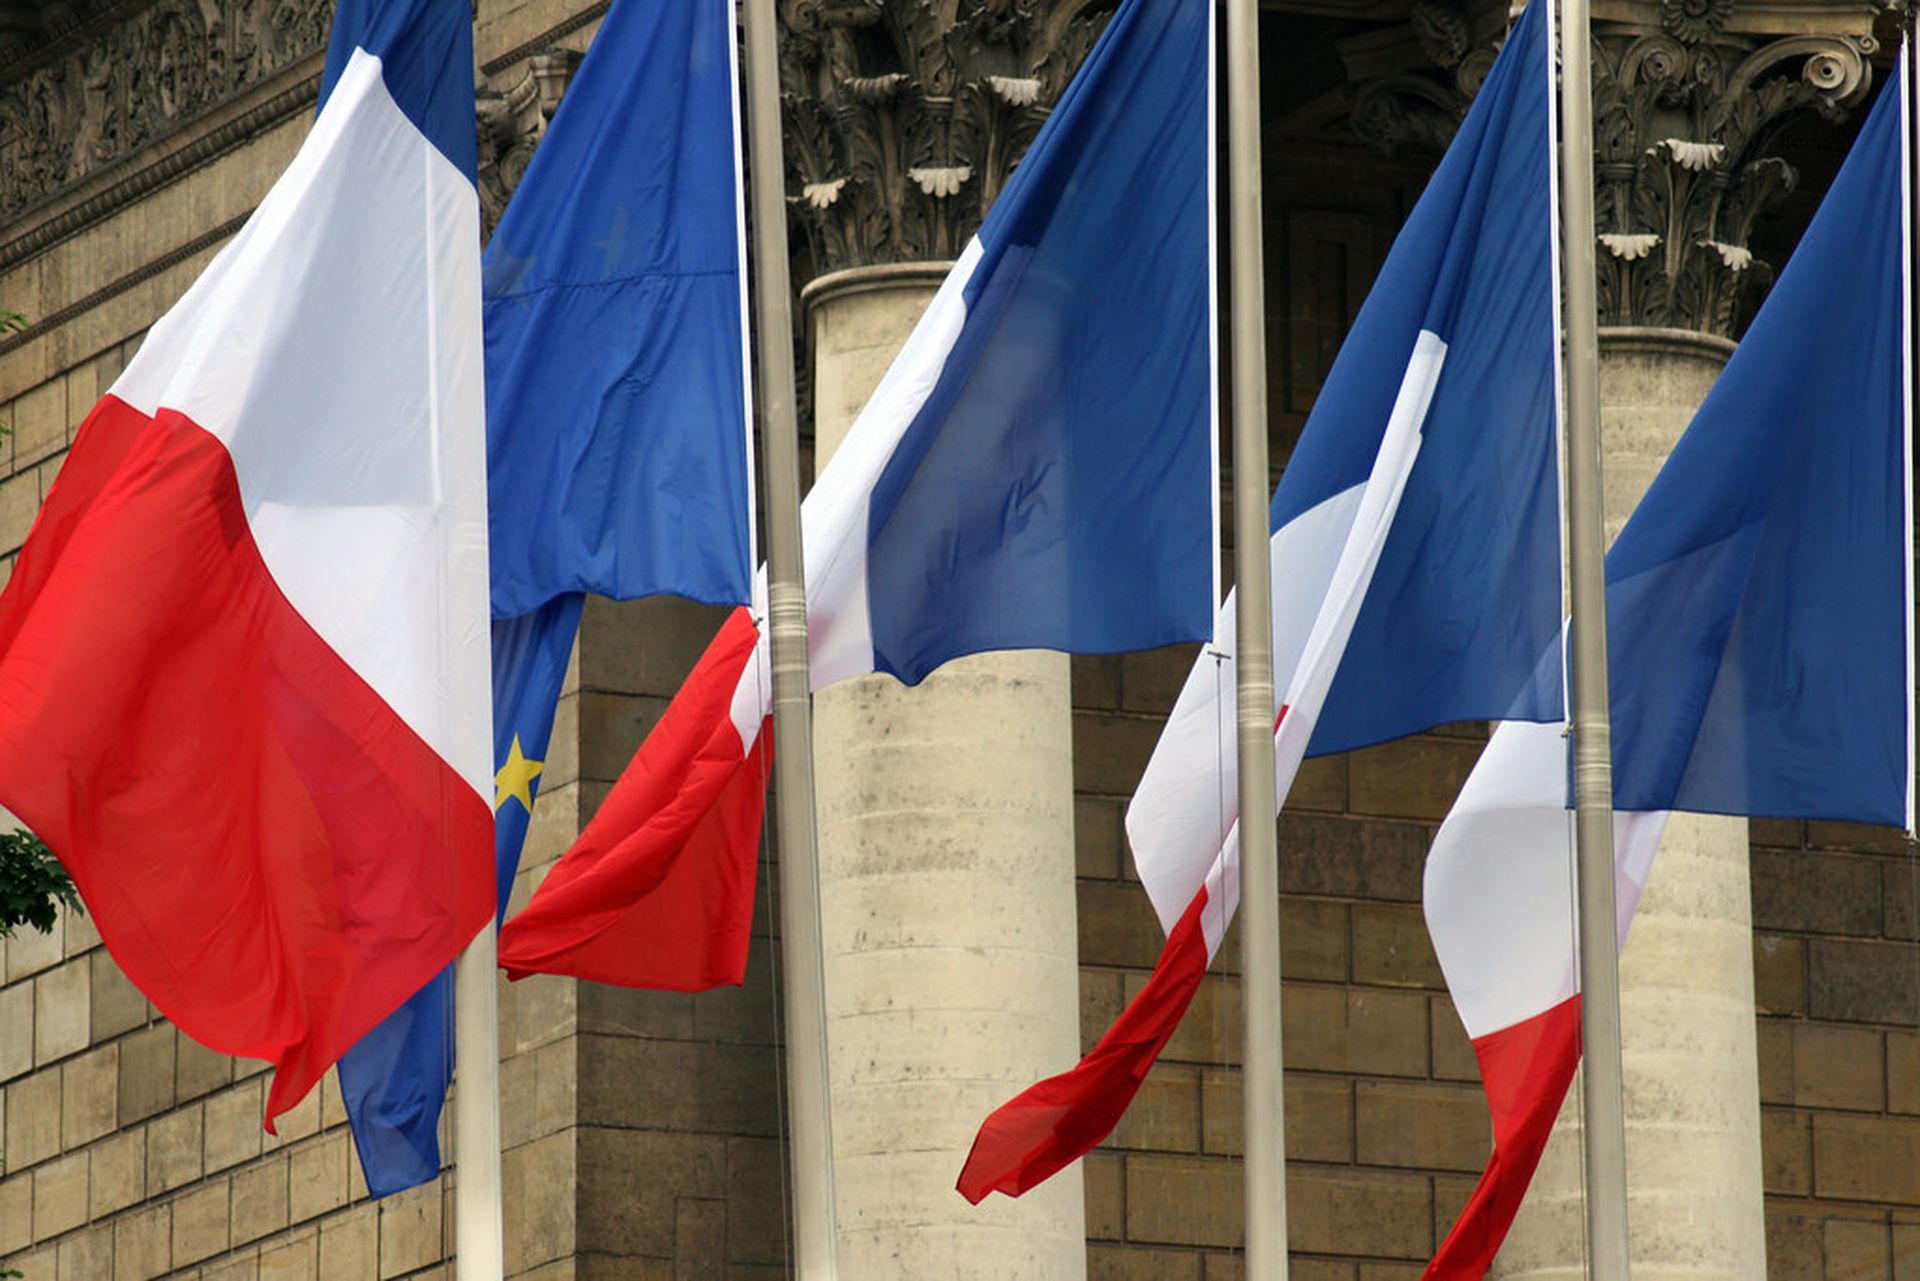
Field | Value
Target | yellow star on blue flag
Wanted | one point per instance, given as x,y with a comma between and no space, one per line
515,779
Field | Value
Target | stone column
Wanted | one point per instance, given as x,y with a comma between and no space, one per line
946,853
1695,1208
945,811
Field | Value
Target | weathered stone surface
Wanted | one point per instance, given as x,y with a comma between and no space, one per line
233,1125
1165,1115
174,1149
87,1256
1341,858
1862,982
198,1070
202,1222
1105,1177
1414,778
33,1119
1391,947
1319,1116
350,1243
143,1243
1106,1263
117,1005
1323,1204
297,1259
117,1173
89,1096
1371,1031
542,1227
1432,1127
1181,1200
1903,1072
1854,1248
16,1213
317,1177
146,1073
260,1201
1779,974
1786,1144
1838,1067
756,1216
61,1019
1866,1158
409,1230
16,1015
1453,1057
1816,892
59,1196
29,951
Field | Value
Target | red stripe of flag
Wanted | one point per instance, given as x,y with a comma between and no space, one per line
658,890
195,753
1526,1070
1050,1125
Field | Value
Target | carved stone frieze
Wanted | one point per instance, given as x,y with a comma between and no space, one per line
904,117
512,124
1684,121
139,80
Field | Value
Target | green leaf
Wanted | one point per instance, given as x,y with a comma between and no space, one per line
33,885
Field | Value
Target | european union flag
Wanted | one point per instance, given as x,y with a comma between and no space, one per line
617,440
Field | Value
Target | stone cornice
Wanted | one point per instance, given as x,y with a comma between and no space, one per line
114,187
120,285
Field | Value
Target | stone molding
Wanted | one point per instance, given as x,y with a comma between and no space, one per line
1656,340
822,290
903,118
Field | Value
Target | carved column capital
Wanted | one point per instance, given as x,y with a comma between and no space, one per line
1689,97
1686,110
904,117
512,123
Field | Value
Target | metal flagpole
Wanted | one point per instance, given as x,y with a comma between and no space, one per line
1265,1139
1606,1144
815,1237
479,1254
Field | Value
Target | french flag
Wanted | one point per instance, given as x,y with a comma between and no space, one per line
618,440
1414,568
1035,470
1759,614
244,653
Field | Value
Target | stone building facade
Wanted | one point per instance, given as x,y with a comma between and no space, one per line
643,1130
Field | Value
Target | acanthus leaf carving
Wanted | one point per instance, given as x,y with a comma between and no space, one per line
512,123
1685,118
903,118
1698,190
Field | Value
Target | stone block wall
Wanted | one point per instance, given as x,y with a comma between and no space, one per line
132,1152
1837,982
1386,1127
642,1130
